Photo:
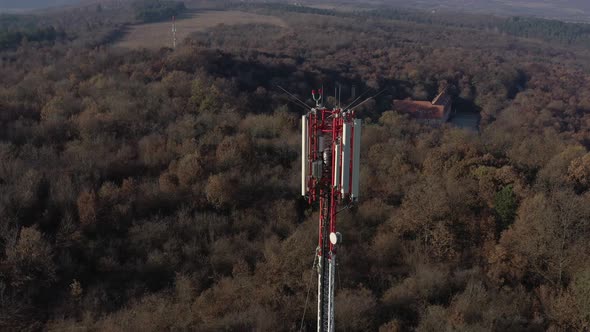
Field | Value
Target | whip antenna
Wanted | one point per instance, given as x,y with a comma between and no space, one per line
357,98
366,100
294,97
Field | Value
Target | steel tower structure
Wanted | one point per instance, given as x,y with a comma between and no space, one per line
173,32
330,175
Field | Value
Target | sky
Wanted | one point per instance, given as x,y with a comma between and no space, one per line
569,10
30,4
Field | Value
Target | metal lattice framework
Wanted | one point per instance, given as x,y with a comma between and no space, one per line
330,175
173,32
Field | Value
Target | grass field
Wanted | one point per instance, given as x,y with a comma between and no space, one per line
156,35
345,7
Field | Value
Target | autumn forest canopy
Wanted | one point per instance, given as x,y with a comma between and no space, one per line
158,189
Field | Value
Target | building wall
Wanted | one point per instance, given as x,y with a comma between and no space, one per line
447,113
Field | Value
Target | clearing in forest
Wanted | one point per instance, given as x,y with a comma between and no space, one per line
156,35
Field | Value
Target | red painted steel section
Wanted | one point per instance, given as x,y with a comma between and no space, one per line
327,123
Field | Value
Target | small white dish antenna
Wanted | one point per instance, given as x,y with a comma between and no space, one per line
335,238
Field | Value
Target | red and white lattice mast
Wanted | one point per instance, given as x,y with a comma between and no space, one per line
173,32
330,175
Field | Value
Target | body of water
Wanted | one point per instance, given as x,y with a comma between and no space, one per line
465,120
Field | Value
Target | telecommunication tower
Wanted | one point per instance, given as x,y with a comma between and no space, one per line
173,32
331,146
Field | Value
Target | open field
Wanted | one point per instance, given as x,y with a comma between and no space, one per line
156,35
344,7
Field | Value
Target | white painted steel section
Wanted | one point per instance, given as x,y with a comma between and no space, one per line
356,151
346,131
304,156
337,160
332,279
320,296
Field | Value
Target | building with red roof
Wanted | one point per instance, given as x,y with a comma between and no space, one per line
436,111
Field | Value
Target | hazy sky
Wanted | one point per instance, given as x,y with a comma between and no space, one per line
578,10
27,4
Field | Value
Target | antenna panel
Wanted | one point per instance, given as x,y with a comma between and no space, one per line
356,150
316,169
337,160
346,131
304,156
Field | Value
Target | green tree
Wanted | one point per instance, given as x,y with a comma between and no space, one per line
505,205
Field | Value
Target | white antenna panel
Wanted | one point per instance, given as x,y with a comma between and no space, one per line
304,156
337,160
346,131
356,151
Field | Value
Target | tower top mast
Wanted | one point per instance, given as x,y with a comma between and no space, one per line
173,32
330,150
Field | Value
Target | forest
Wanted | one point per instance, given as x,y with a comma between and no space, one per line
157,10
549,30
566,10
158,190
15,28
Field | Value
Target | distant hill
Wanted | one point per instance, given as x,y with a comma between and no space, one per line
575,10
